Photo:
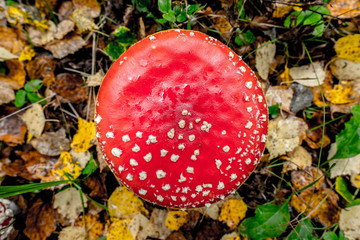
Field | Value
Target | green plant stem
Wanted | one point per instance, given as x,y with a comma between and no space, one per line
261,46
328,122
51,13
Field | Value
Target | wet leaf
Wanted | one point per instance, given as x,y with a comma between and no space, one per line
232,212
84,137
62,48
269,221
118,229
68,203
12,130
123,39
176,219
51,143
265,55
35,120
346,49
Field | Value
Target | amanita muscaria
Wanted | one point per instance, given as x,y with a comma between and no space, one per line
181,119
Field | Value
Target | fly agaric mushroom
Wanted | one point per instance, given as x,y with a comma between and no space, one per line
181,119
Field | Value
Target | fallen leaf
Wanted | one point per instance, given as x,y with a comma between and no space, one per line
40,222
83,20
175,219
95,228
63,28
232,212
281,9
350,222
344,8
66,165
123,203
118,229
157,218
34,119
284,135
300,158
42,66
80,157
72,233
40,38
213,211
70,88
348,47
122,39
265,55
315,139
27,54
92,7
84,137
7,94
340,94
68,203
222,24
309,75
279,95
51,143
62,48
12,130
16,76
344,69
12,39
140,227
6,54
95,80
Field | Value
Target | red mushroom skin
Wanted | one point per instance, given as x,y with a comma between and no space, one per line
181,119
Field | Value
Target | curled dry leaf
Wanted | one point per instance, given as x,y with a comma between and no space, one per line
350,222
40,38
34,119
300,158
95,80
82,20
12,130
279,95
176,219
62,48
42,66
6,55
40,222
51,143
344,8
92,7
284,135
64,28
68,203
265,55
12,39
315,139
344,69
232,212
16,76
7,94
309,75
72,233
70,88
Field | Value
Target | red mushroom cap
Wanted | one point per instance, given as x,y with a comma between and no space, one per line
181,119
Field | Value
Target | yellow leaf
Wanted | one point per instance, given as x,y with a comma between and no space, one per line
355,180
82,20
340,95
27,54
175,219
123,203
17,16
349,47
65,165
232,212
83,139
285,76
119,230
35,120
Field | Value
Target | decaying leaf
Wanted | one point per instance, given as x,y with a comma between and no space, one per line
92,7
12,39
68,203
279,95
12,130
318,201
350,222
344,8
284,135
300,158
95,229
340,94
40,221
51,143
123,203
157,218
42,66
40,38
344,69
62,48
118,229
309,75
282,8
72,233
265,55
16,76
6,55
83,21
7,94
35,120
222,24
84,137
141,227
175,219
66,165
70,88
95,80
82,158
348,47
64,28
232,212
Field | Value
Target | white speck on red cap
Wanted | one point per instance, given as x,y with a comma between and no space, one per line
142,175
139,134
148,157
160,174
221,186
125,138
163,152
151,139
166,187
171,133
190,169
174,157
136,148
133,162
226,148
116,152
182,124
182,178
142,191
109,135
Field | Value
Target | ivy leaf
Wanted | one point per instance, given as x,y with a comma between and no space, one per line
302,231
348,140
269,221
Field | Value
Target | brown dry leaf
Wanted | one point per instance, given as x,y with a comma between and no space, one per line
344,69
68,203
70,87
80,157
157,218
64,28
42,66
344,8
40,221
232,212
95,80
317,201
16,76
7,94
40,38
222,24
72,233
298,159
340,94
11,39
176,219
140,227
279,95
97,186
92,7
34,119
281,8
350,222
6,55
94,227
51,143
308,75
265,55
83,21
16,169
12,130
316,140
62,48
284,135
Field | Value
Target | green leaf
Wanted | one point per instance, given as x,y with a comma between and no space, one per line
302,231
319,29
170,16
342,189
274,111
348,140
33,85
177,9
90,167
20,98
320,9
269,221
194,8
353,203
330,236
123,38
141,5
312,19
182,17
247,36
164,5
34,97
